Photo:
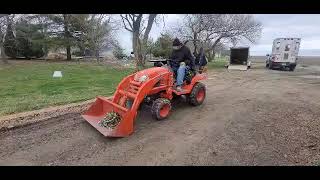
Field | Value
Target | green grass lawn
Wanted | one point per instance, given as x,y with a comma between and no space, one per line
30,86
25,87
217,63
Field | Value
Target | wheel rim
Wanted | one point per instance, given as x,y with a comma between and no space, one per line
200,95
164,111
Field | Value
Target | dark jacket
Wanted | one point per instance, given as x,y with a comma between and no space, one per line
182,55
201,59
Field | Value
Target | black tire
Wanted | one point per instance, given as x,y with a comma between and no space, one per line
270,66
291,68
157,108
192,99
157,64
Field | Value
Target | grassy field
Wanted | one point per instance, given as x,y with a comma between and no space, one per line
30,86
217,63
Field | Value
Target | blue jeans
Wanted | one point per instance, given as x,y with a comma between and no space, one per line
181,71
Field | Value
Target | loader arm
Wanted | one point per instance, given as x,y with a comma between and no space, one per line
149,88
128,89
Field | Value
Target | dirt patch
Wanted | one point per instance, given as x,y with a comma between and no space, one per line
255,117
311,76
26,118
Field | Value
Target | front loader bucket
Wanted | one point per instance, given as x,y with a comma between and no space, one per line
98,111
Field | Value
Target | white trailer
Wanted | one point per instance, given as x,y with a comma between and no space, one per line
284,53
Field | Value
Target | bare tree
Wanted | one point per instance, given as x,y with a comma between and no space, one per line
134,23
3,23
209,30
233,28
95,31
99,33
194,28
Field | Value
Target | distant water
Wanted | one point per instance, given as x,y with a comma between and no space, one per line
302,52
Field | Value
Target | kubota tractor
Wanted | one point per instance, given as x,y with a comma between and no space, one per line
155,86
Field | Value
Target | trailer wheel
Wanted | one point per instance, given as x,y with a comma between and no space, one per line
197,95
161,108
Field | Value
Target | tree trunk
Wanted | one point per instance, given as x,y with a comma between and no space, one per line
141,54
67,36
97,55
135,41
82,50
3,56
213,54
149,26
195,43
136,45
137,49
212,49
68,52
209,56
143,46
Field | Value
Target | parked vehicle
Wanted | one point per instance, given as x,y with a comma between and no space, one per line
284,54
239,58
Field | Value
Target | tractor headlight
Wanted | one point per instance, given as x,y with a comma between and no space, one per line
143,78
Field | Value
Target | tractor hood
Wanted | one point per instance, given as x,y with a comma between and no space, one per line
149,73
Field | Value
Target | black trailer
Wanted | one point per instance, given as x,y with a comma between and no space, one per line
239,58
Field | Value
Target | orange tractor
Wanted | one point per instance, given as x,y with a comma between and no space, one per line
154,86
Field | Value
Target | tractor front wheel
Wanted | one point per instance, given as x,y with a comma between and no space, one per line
198,94
161,108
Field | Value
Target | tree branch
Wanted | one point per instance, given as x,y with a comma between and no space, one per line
149,26
125,26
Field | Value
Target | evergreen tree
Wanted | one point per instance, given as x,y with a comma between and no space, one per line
9,44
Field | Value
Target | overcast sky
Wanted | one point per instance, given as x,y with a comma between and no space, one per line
304,26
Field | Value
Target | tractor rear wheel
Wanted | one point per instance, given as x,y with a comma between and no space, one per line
198,94
161,108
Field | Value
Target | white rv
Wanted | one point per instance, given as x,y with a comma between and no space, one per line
284,53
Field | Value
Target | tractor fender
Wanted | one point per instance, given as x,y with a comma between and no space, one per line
195,79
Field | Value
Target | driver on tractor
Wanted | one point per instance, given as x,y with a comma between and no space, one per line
181,61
